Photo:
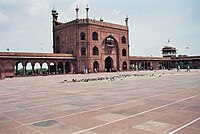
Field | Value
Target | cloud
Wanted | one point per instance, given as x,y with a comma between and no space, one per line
116,12
38,7
4,18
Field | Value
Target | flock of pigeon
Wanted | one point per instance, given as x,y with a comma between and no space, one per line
113,78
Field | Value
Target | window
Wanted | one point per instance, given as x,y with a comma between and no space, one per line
123,39
94,36
83,51
124,65
124,52
95,51
82,36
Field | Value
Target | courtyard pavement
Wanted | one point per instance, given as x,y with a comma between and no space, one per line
145,102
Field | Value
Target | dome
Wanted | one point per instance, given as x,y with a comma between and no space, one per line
169,45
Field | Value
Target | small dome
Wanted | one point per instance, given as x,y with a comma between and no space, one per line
169,45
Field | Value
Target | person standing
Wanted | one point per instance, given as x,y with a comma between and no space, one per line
188,68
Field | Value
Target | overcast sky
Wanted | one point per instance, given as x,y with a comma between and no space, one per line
25,25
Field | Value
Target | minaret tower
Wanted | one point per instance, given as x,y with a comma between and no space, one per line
126,20
55,15
87,10
77,12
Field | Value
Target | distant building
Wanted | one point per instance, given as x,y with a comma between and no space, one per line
169,50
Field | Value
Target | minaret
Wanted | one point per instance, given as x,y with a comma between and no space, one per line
77,12
54,14
87,9
55,17
126,20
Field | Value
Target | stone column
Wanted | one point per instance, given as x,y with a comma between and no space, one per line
24,69
48,68
40,68
56,68
16,68
33,71
64,71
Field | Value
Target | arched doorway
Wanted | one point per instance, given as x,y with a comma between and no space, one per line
96,66
60,68
28,68
111,47
9,69
52,68
45,69
108,64
124,65
19,68
37,68
67,67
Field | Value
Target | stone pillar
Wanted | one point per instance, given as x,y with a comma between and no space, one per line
24,69
16,68
56,68
33,70
40,68
64,71
48,68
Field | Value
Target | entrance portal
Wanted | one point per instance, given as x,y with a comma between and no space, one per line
108,64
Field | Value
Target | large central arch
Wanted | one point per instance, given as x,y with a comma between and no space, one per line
111,49
108,64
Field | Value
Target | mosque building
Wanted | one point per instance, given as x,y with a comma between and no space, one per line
96,45
89,46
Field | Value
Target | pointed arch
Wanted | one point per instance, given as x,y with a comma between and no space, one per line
123,40
82,36
124,52
28,68
94,36
67,67
60,68
83,51
124,65
45,68
52,67
95,50
95,66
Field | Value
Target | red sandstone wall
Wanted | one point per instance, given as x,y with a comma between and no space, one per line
69,34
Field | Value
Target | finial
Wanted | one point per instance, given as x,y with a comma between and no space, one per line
54,13
87,9
126,20
53,10
126,16
76,11
101,19
168,40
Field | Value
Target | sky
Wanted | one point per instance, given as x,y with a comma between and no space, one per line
25,25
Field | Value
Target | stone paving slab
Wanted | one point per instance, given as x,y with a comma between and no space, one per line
139,103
